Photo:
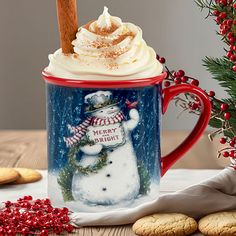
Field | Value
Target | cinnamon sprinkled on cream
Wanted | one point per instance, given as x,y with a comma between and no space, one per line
103,44
87,26
105,31
114,54
122,37
97,30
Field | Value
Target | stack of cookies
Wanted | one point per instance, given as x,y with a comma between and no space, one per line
18,176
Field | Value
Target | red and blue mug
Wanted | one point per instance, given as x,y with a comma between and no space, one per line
104,140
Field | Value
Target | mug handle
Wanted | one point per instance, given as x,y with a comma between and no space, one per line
168,94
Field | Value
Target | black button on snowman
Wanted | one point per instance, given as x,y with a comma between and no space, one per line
118,180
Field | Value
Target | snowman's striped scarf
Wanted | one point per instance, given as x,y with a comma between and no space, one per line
80,130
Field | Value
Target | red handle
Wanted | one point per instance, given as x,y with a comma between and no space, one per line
169,93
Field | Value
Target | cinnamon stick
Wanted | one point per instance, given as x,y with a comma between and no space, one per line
68,24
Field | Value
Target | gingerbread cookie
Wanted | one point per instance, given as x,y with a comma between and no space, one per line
172,224
222,223
8,175
27,176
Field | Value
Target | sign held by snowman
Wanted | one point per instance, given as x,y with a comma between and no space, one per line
105,126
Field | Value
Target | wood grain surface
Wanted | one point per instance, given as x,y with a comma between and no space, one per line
28,149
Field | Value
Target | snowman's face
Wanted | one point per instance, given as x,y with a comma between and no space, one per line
106,112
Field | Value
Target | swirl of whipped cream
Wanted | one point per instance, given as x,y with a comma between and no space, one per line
106,49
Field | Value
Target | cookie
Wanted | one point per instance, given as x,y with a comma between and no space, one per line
222,223
27,176
172,224
8,175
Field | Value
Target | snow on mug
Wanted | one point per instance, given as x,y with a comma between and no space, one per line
104,141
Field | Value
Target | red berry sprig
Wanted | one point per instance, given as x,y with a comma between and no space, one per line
179,77
225,16
223,111
33,217
220,110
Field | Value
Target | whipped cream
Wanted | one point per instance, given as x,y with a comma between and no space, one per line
106,49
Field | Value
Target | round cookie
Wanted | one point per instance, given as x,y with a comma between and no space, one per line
171,224
27,176
222,223
8,175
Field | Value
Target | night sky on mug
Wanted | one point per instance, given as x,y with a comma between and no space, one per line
66,106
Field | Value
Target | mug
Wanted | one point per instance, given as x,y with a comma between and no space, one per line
104,140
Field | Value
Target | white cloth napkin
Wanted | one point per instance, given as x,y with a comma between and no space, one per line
213,195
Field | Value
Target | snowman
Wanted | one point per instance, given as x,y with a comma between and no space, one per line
118,180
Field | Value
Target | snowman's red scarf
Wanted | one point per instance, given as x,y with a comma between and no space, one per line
80,130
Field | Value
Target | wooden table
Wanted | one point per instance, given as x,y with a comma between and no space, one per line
28,149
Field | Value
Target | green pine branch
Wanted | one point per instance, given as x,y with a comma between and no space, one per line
204,4
221,70
65,181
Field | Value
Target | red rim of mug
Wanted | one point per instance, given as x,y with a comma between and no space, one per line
131,83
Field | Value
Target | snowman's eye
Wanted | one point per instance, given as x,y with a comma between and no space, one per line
101,111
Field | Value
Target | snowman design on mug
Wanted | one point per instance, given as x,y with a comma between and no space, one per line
119,179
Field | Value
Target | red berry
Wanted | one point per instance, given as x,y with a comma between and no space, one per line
180,73
195,82
184,79
226,27
218,20
222,15
166,83
223,2
211,94
234,68
11,232
233,58
229,22
25,230
227,116
44,232
229,35
69,228
194,106
232,40
223,31
224,23
229,54
232,143
216,12
222,140
231,47
226,154
234,5
175,74
177,80
231,154
65,210
162,60
224,107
